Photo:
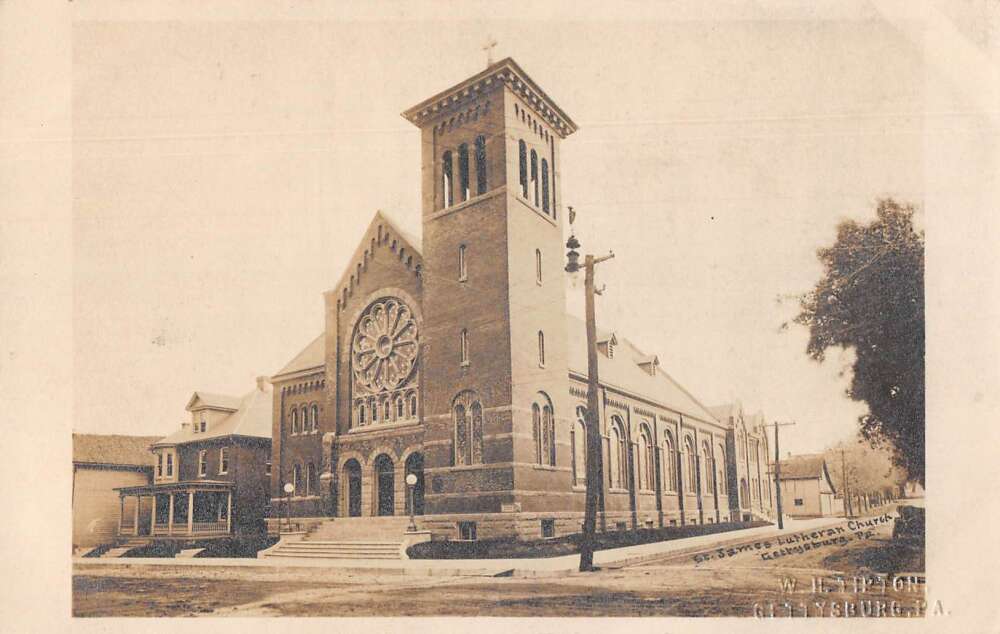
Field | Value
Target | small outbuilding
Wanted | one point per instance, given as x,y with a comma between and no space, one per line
806,487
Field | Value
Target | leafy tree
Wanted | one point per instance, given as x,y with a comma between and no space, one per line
869,470
871,300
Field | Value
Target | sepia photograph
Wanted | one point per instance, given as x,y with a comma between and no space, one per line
428,311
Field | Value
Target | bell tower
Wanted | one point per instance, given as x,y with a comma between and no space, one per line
494,352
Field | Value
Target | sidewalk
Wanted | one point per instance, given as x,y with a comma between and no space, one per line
551,566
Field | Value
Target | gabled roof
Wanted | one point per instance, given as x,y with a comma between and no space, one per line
383,231
113,449
252,417
805,467
312,356
624,372
213,401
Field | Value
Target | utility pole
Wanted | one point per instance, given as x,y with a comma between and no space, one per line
595,470
847,497
777,469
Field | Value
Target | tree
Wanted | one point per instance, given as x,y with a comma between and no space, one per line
869,470
871,300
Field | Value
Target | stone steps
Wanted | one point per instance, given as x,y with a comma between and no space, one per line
338,550
352,529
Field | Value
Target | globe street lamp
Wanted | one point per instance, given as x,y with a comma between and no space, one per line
289,487
411,481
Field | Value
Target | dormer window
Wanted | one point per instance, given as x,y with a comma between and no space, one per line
649,364
607,345
203,425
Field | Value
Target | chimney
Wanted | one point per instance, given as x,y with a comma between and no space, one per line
262,383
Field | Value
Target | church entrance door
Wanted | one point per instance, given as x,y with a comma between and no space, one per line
386,484
352,471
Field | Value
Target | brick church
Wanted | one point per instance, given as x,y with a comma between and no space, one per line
453,358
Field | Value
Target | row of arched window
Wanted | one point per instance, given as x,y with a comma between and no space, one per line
533,189
304,419
386,408
307,485
543,430
467,415
464,185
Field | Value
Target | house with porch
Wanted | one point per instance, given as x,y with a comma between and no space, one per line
211,477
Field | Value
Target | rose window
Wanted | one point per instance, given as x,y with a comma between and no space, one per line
384,350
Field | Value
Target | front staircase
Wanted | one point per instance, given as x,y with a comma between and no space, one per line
120,549
347,538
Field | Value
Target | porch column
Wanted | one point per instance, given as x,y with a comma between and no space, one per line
152,517
190,512
170,516
229,512
135,526
121,511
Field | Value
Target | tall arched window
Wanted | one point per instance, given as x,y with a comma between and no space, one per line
294,416
386,410
669,462
522,164
534,177
463,270
549,424
545,186
461,435
400,407
413,405
463,172
536,431
468,418
691,459
297,478
481,165
304,419
578,440
538,266
707,469
314,423
647,475
476,444
361,413
446,174
619,458
541,349
311,479
720,468
464,343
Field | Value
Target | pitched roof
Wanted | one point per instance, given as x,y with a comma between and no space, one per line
213,401
624,372
251,418
113,449
310,357
804,467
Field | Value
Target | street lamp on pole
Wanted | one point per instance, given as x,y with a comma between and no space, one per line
411,483
289,488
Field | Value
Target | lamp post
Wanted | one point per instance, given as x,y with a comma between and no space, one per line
289,487
411,484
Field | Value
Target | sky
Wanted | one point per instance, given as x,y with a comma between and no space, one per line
224,171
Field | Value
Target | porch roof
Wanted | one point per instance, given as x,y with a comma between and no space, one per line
173,487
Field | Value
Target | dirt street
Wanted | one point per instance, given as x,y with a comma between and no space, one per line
826,582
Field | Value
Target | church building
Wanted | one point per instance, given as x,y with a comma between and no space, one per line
453,358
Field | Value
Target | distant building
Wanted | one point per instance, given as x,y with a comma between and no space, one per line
100,464
210,478
806,487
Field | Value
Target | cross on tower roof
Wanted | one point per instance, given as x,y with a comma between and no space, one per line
488,47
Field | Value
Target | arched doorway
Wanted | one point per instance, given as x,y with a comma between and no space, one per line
385,483
415,465
352,477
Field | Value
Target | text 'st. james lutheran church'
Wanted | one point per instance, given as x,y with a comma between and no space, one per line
454,359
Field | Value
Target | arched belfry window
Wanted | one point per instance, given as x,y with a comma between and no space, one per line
534,176
481,184
467,416
463,172
446,176
522,162
545,186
